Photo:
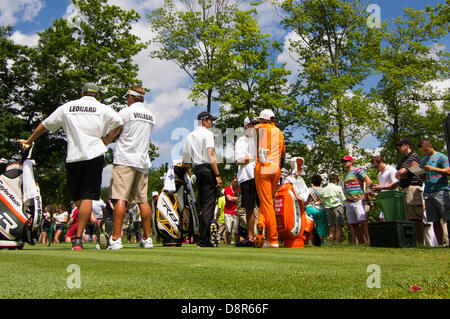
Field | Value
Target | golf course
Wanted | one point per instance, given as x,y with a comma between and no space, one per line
187,272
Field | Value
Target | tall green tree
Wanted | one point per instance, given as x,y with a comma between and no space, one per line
335,49
195,38
15,77
407,104
253,82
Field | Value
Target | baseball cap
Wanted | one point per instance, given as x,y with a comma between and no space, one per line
90,87
250,120
206,115
347,158
404,141
266,114
155,194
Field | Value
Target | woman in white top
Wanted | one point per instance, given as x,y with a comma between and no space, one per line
61,218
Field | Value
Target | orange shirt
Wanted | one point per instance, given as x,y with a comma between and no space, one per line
270,143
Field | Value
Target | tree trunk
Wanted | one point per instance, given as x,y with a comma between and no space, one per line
209,101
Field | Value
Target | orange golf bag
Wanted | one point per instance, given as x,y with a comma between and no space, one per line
293,225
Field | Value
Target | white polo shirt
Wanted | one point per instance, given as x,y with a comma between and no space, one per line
97,207
85,122
245,146
196,145
134,140
387,176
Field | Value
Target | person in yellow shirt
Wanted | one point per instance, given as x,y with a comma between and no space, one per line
220,215
271,153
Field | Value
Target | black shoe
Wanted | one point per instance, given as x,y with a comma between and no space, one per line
246,243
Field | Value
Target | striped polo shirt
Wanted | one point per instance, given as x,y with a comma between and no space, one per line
353,184
410,178
434,181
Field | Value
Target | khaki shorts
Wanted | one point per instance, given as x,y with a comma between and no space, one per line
127,183
414,202
231,223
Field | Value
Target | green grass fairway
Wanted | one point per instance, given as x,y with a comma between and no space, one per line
189,272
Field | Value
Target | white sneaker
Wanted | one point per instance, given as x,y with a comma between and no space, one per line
148,243
115,244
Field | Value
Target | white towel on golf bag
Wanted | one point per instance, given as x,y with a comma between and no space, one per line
30,189
169,180
188,181
300,188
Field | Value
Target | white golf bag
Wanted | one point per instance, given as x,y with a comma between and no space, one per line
21,214
175,216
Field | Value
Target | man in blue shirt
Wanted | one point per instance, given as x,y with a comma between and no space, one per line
436,193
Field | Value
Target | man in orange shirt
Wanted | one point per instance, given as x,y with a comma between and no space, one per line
271,155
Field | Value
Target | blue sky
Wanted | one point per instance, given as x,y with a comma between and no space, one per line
170,86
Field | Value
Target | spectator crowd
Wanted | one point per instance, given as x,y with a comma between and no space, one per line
244,214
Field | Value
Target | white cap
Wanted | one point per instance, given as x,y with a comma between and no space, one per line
250,120
266,114
155,194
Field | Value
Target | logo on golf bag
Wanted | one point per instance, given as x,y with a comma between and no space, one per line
8,194
7,223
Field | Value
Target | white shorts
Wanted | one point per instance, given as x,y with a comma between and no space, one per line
355,212
231,223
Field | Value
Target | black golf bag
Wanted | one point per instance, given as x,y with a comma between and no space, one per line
175,216
20,218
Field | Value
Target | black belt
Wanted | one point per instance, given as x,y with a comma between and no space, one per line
202,166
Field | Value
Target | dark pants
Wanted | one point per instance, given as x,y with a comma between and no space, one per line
207,193
137,230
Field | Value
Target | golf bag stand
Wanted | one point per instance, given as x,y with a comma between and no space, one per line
21,214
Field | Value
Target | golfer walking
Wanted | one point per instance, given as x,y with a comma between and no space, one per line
86,123
199,151
129,178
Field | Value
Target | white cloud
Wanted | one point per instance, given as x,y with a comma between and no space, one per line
290,57
164,150
140,6
30,40
438,87
168,106
157,75
267,16
12,12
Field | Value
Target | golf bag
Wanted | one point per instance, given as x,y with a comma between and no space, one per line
21,214
175,213
294,226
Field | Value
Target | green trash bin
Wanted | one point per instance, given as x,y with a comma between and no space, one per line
393,205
